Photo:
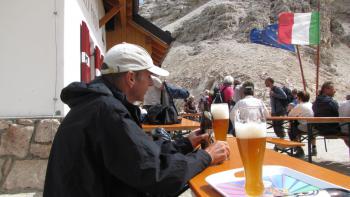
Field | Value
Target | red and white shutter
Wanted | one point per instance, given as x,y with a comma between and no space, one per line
85,53
98,62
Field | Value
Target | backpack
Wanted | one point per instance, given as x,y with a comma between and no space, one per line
219,95
164,113
290,97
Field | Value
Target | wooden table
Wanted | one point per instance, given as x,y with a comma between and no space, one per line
185,124
202,188
311,121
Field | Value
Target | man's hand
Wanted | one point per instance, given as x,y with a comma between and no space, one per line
219,152
196,137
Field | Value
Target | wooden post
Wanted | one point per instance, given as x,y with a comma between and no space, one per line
301,69
318,50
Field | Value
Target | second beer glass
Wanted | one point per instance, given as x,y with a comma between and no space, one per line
220,115
250,125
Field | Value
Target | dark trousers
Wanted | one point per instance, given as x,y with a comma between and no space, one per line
231,128
278,126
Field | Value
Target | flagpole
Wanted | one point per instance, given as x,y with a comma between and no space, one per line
318,50
301,68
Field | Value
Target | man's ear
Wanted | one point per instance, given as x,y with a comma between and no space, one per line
130,78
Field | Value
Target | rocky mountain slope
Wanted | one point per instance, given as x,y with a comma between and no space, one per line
212,40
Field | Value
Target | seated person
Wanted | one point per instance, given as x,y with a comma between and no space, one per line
190,105
302,109
326,106
100,148
203,104
344,111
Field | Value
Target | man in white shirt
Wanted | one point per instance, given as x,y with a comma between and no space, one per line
153,94
249,100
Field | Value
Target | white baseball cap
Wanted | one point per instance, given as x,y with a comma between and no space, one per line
130,57
228,79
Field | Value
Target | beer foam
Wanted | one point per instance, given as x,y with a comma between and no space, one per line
250,130
219,111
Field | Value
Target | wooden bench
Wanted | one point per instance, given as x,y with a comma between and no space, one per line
286,145
311,121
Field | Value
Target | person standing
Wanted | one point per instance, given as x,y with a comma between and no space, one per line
228,92
153,94
248,100
277,96
100,148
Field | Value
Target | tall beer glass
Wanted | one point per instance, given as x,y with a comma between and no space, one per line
220,115
250,125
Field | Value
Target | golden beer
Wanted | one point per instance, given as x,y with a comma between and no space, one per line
250,127
220,115
252,152
220,127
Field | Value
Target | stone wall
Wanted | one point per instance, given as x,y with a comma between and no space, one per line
24,150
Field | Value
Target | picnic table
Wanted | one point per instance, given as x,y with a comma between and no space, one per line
201,188
185,124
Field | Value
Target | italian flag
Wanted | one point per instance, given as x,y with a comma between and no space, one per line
299,28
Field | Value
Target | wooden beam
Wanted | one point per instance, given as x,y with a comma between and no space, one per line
110,2
157,55
123,18
156,50
155,58
159,47
156,62
110,14
145,32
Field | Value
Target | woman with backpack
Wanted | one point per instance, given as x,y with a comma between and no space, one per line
224,94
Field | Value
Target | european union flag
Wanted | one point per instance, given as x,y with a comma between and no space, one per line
268,36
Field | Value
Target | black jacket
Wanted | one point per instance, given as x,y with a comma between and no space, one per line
277,108
326,106
101,150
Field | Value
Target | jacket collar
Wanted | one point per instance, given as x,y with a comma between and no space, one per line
134,110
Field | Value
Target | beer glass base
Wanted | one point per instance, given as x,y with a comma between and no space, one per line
255,193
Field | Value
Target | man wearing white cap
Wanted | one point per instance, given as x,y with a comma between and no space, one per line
100,148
